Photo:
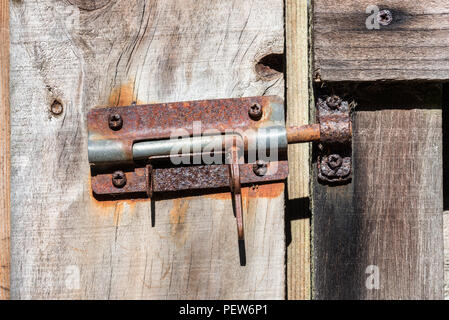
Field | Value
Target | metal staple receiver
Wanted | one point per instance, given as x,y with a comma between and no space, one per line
334,158
131,149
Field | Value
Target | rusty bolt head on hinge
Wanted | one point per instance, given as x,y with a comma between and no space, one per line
115,121
255,112
260,168
119,179
333,102
334,168
335,161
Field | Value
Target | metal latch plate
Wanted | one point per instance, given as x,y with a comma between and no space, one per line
158,122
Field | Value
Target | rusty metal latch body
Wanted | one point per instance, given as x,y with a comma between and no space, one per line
139,150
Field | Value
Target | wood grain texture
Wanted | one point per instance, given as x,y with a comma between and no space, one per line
116,52
298,250
446,255
4,152
412,47
390,216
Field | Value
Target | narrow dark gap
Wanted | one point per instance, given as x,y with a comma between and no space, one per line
445,146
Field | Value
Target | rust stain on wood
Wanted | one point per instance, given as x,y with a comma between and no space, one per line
104,208
82,251
123,95
177,214
115,210
177,219
118,213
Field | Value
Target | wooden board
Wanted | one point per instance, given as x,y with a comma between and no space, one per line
298,213
65,244
446,255
388,221
4,151
412,47
446,187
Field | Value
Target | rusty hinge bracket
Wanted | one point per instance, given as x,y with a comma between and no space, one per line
334,159
139,150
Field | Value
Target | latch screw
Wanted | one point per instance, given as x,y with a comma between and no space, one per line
260,168
119,179
115,121
255,112
334,102
335,161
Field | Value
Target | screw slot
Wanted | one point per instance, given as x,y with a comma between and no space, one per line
119,179
255,112
115,121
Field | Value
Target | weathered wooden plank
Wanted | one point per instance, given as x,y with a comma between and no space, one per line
446,255
446,187
387,223
116,52
4,151
413,46
297,54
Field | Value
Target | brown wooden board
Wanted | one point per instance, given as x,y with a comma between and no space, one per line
388,221
412,47
78,54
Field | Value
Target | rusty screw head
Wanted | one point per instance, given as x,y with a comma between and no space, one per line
119,179
56,108
335,161
334,168
333,102
260,168
115,121
384,17
255,112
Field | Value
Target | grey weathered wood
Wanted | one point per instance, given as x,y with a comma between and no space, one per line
446,255
413,46
390,216
115,52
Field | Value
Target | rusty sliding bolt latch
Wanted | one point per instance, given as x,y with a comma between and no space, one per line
139,150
